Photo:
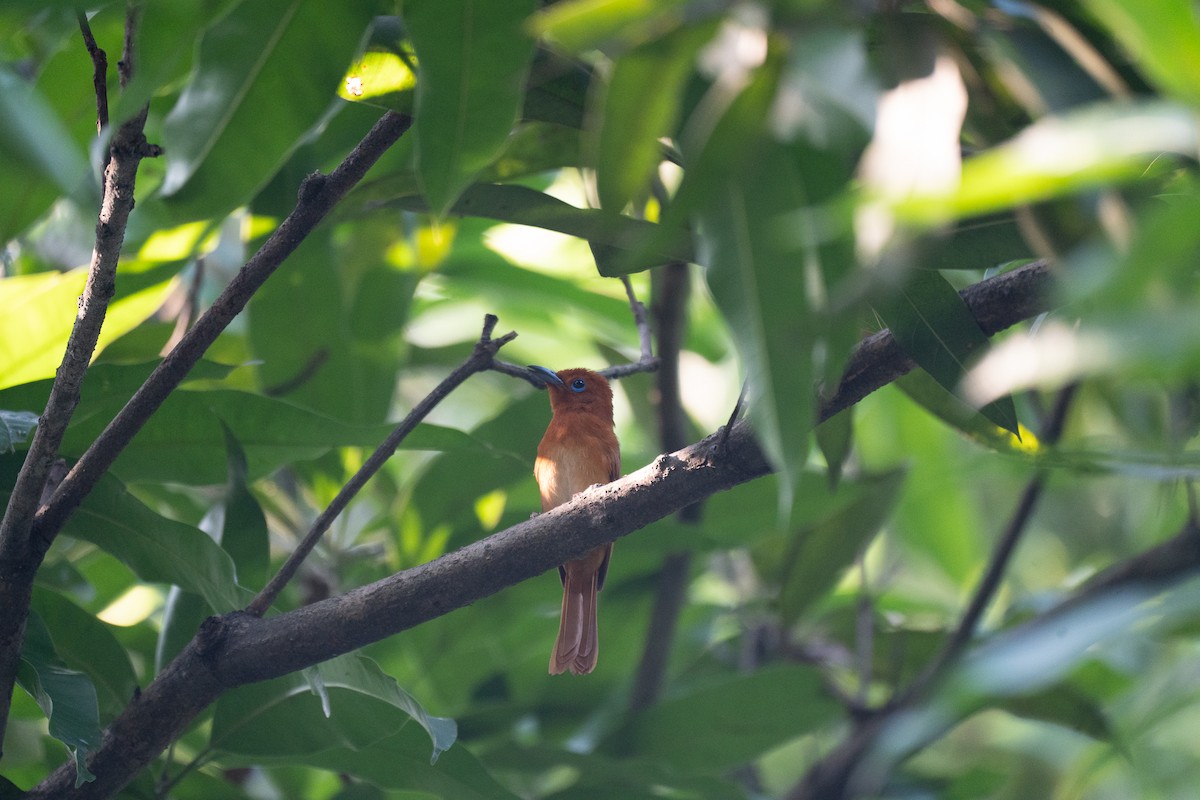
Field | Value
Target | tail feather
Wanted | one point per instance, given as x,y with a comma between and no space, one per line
577,646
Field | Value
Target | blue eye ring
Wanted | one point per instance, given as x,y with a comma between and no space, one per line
578,385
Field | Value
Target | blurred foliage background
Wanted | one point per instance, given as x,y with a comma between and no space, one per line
810,172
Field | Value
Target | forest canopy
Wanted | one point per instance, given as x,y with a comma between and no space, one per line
898,300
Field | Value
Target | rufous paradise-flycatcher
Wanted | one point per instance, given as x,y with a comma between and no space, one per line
578,450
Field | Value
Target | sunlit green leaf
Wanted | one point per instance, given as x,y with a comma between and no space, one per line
640,105
525,206
1081,150
1163,36
38,311
473,61
577,25
218,151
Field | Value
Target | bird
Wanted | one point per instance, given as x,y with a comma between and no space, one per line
579,449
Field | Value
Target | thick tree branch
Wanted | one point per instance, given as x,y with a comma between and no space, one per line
671,287
20,556
239,648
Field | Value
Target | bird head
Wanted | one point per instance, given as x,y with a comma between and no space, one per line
576,390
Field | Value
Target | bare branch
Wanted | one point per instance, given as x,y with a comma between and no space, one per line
646,361
99,72
317,196
479,360
20,552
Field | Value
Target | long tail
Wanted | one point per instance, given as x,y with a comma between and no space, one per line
576,647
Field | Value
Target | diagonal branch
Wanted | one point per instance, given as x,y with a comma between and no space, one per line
317,197
479,361
240,648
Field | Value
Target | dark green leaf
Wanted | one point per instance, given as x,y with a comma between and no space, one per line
243,526
936,329
158,549
15,427
473,59
184,442
640,105
66,697
820,552
728,723
347,702
218,151
88,645
525,206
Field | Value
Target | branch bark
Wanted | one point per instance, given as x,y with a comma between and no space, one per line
20,556
240,648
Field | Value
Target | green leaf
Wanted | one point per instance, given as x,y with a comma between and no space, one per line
759,285
1163,36
525,206
728,723
579,25
167,34
181,617
400,762
184,442
66,697
1094,146
1064,705
935,328
158,549
242,528
835,436
819,552
473,59
15,427
88,645
950,408
38,311
640,105
346,703
218,151
1037,656
32,133
344,360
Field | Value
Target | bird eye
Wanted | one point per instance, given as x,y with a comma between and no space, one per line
578,385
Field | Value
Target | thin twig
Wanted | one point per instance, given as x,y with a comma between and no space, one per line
479,361
125,67
998,563
646,361
864,632
99,71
